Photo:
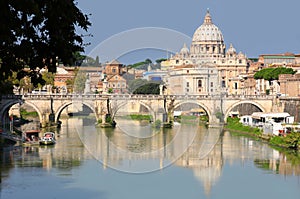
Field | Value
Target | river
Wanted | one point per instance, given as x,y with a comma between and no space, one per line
137,161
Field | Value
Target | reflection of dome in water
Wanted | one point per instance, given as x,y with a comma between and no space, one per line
208,176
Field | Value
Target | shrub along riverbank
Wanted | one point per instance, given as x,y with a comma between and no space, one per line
292,140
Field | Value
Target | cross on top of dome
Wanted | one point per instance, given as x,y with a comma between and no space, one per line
207,19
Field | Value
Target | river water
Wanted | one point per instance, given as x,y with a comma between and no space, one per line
137,161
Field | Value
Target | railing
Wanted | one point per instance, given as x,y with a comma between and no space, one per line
136,97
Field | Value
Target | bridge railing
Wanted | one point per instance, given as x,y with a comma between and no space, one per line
137,97
11,96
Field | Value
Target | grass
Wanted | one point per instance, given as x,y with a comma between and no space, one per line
292,140
235,125
25,113
137,117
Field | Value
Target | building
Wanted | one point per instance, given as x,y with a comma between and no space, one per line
288,81
192,80
114,81
208,50
113,68
61,78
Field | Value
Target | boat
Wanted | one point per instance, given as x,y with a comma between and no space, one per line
48,139
31,137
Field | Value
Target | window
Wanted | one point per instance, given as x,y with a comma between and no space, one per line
211,84
200,83
187,71
236,85
177,61
113,70
223,84
188,84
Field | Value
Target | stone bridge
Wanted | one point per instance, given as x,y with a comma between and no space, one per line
218,107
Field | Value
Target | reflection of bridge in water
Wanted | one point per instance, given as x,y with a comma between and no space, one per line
118,150
157,105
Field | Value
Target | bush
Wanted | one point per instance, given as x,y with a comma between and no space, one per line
292,140
157,124
234,124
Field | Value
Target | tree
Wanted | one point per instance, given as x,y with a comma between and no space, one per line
97,61
142,86
160,60
272,73
148,61
79,82
38,33
48,78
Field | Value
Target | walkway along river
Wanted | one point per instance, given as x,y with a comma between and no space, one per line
183,162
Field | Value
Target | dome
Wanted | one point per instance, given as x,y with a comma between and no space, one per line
184,50
208,31
231,50
208,43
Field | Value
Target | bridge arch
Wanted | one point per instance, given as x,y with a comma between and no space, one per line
243,102
149,108
207,110
65,105
7,106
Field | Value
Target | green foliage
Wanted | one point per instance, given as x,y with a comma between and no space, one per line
79,82
142,86
39,33
108,119
110,90
292,140
26,114
157,124
149,88
140,117
48,78
272,73
160,60
234,124
219,115
146,62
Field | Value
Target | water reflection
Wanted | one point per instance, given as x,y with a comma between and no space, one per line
205,151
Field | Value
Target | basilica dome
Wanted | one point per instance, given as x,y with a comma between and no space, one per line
208,31
208,42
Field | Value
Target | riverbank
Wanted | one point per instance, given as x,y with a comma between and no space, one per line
291,141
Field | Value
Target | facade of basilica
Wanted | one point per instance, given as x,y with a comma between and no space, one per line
207,67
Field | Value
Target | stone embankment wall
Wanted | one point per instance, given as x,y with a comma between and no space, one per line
293,108
246,109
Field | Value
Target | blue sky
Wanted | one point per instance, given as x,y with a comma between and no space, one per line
254,27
